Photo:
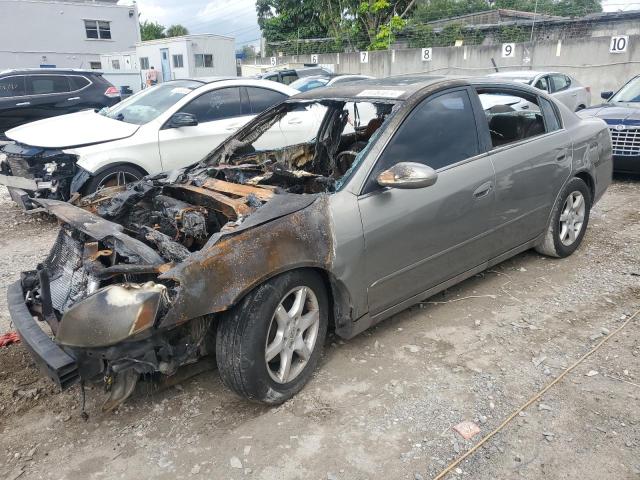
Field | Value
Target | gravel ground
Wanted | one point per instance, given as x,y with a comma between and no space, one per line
382,405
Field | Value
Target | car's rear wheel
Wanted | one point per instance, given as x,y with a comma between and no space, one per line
569,220
268,345
113,177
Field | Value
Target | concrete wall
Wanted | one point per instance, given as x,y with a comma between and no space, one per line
34,32
587,59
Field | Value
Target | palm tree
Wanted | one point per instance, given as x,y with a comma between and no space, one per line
177,31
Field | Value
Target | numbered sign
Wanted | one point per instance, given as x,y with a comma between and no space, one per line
508,50
364,57
426,54
314,58
274,61
619,44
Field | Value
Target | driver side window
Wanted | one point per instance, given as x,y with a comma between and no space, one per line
215,105
439,132
543,84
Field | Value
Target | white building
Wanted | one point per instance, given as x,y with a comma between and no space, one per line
70,33
189,56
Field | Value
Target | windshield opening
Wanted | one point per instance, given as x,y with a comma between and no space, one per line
629,93
301,147
151,102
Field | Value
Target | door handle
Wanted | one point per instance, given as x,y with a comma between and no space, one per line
73,98
22,104
483,190
295,121
232,128
561,156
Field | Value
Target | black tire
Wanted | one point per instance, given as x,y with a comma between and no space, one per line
243,333
129,172
552,245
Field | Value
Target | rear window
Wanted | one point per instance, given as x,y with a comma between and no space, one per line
11,87
76,82
46,84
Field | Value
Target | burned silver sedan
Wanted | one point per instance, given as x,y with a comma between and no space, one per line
388,192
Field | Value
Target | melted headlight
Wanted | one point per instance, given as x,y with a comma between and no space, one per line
111,315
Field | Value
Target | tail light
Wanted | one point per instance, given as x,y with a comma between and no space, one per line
588,89
112,92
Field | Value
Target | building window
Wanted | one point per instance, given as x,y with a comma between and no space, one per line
177,61
144,63
95,65
115,64
204,60
98,29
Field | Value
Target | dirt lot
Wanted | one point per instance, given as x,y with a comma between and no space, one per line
382,406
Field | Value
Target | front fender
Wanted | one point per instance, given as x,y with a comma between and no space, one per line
218,276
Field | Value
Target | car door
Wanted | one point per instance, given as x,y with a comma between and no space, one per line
219,112
560,89
47,96
78,98
12,102
531,156
417,239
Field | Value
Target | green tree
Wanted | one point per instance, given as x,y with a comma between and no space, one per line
151,30
176,31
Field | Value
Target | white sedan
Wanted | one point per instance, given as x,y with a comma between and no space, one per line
563,87
169,126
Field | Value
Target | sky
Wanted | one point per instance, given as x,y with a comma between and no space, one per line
237,18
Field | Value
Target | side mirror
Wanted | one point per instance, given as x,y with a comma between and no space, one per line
606,95
408,175
182,119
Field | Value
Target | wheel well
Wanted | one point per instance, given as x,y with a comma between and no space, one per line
119,164
588,179
340,311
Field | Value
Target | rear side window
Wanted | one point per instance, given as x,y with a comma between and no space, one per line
439,132
550,115
215,105
560,82
76,83
289,77
512,116
12,87
46,84
262,98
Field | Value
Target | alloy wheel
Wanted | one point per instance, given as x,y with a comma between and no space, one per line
572,218
292,334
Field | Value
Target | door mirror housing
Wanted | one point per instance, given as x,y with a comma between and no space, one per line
182,119
408,175
606,95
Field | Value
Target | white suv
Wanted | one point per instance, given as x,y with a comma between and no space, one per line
169,126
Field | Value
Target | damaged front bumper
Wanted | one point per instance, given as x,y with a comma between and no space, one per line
57,364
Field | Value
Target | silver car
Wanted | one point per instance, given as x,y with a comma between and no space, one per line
403,188
563,87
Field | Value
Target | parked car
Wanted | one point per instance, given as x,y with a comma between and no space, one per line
33,94
255,250
168,126
316,81
563,87
290,75
621,111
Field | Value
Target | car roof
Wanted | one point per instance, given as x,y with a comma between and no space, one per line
401,87
43,71
521,73
391,88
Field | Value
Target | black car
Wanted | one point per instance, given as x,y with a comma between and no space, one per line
289,76
33,94
621,111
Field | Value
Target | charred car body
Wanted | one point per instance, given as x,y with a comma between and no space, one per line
407,187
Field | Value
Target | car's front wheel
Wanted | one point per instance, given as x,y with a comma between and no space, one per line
113,177
268,345
569,220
